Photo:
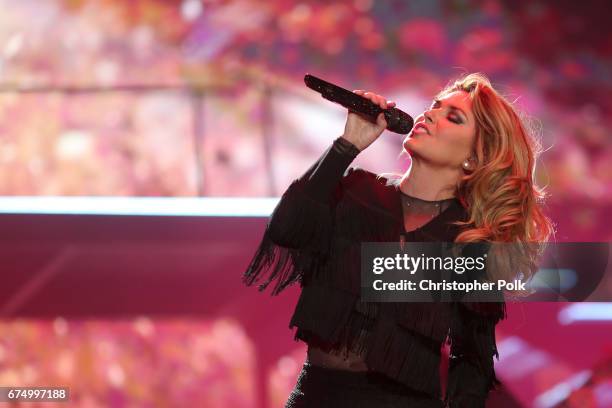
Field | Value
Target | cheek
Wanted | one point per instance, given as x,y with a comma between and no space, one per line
460,142
449,147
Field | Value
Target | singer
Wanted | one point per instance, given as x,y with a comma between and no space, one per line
471,180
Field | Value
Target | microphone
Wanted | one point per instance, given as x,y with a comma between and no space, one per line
397,120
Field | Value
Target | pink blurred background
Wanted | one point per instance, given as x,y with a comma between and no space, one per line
143,144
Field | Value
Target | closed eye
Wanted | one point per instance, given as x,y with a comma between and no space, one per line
455,119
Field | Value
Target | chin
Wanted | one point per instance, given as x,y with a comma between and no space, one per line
410,151
409,146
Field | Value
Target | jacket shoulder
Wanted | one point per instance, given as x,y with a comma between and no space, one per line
370,189
358,177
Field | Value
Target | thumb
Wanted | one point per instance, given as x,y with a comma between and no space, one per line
381,121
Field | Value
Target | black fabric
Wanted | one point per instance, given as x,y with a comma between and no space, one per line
313,238
320,387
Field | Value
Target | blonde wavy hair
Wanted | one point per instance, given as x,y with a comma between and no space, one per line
503,202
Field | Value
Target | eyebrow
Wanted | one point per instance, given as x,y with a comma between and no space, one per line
453,107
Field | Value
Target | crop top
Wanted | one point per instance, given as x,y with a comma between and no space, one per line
314,238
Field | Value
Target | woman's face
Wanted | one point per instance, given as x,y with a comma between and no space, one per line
450,130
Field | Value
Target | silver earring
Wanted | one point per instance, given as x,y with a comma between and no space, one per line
466,164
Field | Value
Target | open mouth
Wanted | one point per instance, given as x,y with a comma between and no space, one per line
420,128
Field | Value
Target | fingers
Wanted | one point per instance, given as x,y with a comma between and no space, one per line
377,99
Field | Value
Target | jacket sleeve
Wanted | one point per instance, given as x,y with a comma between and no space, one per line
298,233
471,372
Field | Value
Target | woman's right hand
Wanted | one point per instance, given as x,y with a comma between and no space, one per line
360,131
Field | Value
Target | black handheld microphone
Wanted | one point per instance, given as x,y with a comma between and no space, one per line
397,120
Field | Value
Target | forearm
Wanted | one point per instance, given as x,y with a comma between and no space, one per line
323,176
303,215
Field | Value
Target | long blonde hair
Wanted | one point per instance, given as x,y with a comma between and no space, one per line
503,202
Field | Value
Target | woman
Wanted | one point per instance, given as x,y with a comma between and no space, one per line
471,180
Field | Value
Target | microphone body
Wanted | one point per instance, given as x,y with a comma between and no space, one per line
397,120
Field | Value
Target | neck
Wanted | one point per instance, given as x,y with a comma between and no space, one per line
428,182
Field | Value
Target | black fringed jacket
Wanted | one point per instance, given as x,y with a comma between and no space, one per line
313,237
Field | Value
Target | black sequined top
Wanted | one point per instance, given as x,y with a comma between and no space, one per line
313,237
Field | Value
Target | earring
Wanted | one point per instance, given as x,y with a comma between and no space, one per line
466,164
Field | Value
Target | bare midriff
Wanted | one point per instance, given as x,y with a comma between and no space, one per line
322,358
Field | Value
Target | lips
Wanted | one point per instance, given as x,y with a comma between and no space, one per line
421,125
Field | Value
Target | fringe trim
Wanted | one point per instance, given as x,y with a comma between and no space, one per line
323,311
295,243
464,387
343,269
405,357
428,319
473,346
299,236
342,323
273,263
356,222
